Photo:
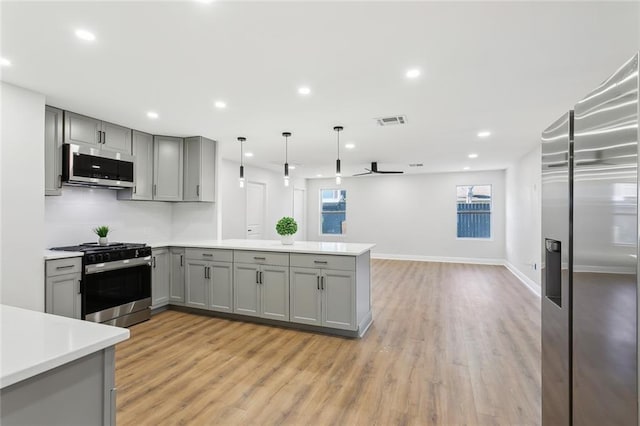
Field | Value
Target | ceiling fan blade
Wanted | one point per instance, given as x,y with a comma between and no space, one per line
362,174
389,172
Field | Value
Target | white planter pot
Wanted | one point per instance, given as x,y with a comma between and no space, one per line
103,241
287,240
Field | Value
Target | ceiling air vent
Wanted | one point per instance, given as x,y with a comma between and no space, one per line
388,121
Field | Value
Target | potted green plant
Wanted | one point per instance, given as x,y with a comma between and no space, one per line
101,232
286,227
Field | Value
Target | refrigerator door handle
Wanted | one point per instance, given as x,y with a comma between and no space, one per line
553,271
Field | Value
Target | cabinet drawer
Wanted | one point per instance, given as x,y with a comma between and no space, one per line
261,257
72,265
209,254
341,263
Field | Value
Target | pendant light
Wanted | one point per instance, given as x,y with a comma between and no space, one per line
338,129
241,140
286,158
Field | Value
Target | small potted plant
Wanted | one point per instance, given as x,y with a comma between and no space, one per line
286,227
101,232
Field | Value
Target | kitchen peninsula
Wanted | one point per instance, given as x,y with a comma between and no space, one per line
318,286
56,370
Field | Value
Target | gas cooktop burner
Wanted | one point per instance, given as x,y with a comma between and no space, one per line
95,253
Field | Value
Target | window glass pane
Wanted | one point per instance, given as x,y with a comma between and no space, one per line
333,209
474,211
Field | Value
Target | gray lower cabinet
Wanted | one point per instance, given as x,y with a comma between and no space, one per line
160,277
261,291
53,123
196,283
63,285
167,168
176,283
199,169
209,279
323,297
221,286
142,149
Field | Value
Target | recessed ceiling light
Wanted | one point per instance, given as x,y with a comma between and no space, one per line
350,146
318,175
85,35
292,167
304,90
5,62
466,168
484,134
248,154
413,73
473,155
152,115
220,104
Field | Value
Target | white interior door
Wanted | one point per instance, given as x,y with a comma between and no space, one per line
256,197
299,213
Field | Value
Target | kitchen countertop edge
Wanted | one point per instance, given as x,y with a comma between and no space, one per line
308,247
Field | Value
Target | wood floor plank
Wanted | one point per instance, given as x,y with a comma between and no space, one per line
450,344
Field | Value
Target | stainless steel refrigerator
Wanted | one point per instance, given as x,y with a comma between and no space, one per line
590,258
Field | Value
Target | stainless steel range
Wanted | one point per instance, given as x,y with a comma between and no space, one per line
116,282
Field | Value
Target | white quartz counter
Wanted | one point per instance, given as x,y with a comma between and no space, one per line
312,247
34,342
59,254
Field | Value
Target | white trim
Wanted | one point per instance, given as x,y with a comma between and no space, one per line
528,282
417,258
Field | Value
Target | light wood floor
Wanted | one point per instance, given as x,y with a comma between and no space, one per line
450,344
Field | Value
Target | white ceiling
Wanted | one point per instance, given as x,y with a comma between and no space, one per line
511,68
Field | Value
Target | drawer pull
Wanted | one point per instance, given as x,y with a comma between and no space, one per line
207,254
259,258
64,267
320,262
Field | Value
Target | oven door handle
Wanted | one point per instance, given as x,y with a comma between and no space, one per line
118,264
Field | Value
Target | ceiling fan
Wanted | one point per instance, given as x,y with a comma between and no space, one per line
374,169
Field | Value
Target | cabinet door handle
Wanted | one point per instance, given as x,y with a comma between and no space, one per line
135,188
154,261
261,276
104,137
257,277
181,260
320,262
198,190
79,286
99,136
64,267
322,283
205,272
318,281
59,181
208,254
258,258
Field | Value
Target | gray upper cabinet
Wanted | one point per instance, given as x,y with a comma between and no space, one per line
142,149
199,169
82,130
53,123
167,168
94,133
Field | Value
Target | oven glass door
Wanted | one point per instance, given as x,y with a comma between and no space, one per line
109,289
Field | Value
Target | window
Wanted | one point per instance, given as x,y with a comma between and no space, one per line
474,211
333,211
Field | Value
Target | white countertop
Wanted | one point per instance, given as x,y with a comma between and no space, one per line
34,342
313,247
59,254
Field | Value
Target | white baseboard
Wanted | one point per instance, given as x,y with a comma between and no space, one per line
528,282
417,258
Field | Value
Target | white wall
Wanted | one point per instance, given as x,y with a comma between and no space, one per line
22,197
234,199
70,218
412,216
523,233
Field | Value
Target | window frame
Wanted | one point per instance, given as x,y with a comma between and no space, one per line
490,237
320,233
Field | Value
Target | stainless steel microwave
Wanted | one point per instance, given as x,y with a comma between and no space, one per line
84,166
